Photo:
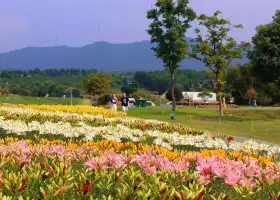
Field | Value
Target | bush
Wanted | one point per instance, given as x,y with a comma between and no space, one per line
264,99
103,99
178,91
142,93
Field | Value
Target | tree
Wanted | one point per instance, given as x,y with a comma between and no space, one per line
251,94
130,88
178,93
216,49
265,55
205,95
239,79
170,21
97,84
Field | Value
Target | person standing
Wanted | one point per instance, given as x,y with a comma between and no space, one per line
125,102
114,101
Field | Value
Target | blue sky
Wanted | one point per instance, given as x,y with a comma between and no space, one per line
79,22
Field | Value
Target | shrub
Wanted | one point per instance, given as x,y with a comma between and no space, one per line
138,94
264,99
178,91
103,99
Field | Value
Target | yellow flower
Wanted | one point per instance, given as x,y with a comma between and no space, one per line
72,145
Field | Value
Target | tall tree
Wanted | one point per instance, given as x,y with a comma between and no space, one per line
265,56
170,21
97,84
216,49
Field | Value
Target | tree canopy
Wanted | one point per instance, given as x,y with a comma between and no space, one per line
170,21
265,55
216,49
97,84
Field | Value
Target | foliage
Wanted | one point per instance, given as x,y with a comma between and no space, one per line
239,79
205,95
130,88
216,49
158,81
141,93
251,94
177,92
264,98
103,99
71,169
265,55
170,21
97,84
40,89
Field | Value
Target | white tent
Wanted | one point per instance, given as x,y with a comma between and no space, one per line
194,98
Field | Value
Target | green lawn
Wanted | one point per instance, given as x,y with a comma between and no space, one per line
255,123
15,99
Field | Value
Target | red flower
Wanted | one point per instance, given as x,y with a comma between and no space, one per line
128,197
7,155
200,195
229,138
44,176
22,164
86,187
147,125
51,171
24,180
42,165
21,188
42,193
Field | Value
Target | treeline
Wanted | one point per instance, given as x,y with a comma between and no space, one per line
8,74
41,89
239,80
159,81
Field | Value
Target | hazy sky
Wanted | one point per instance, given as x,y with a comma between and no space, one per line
78,22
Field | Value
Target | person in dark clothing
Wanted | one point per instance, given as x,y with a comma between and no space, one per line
125,102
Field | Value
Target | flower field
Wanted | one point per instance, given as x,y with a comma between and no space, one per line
84,152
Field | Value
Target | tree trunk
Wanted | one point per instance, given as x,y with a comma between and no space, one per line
221,106
172,88
219,89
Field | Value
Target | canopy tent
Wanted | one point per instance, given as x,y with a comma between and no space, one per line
192,98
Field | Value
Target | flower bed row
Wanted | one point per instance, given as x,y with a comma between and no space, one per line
28,115
79,109
122,133
93,170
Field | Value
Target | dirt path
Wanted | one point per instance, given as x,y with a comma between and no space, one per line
86,102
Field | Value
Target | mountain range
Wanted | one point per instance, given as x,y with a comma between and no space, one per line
99,55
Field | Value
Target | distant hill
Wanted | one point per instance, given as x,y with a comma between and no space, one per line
99,55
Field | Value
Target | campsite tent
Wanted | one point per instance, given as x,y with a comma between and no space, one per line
192,98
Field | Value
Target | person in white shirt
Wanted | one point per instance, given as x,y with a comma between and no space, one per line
114,101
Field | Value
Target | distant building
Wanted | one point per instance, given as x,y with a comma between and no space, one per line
192,98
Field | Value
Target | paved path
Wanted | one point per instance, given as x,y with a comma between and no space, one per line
241,139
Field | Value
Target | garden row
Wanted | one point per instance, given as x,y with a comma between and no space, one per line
78,153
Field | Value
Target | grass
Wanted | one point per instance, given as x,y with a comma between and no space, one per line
15,99
257,124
